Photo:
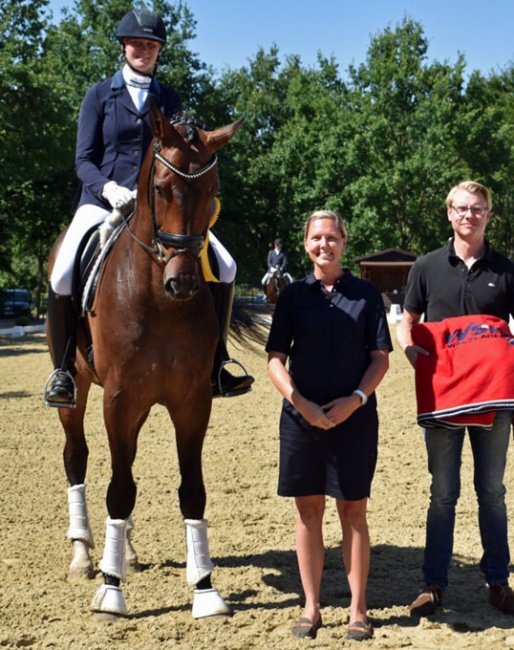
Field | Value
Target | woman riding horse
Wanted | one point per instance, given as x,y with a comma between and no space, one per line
149,339
113,136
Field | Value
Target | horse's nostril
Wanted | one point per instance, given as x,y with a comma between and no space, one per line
182,288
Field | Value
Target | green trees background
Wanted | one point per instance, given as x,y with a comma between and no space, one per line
381,142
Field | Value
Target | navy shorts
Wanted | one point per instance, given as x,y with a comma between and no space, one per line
339,462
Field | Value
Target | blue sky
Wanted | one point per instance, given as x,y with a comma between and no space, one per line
229,32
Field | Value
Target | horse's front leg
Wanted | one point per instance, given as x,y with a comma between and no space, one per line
75,458
190,432
123,423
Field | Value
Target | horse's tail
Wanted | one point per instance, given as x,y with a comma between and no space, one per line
250,323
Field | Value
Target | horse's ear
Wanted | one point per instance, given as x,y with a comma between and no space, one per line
221,137
158,121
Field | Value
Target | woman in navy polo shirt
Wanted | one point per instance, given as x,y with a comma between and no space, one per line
333,328
112,139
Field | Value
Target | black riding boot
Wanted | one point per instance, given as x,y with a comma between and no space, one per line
61,320
225,384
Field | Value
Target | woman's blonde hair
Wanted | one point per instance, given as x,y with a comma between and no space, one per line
325,214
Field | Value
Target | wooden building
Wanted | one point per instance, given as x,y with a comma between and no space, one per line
389,270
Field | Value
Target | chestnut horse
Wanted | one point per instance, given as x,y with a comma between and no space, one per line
276,283
154,332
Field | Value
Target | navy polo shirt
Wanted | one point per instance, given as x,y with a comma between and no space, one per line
329,336
441,286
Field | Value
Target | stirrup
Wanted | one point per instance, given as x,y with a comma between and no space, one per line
49,381
237,391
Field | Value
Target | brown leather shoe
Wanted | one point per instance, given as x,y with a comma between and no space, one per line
430,598
502,597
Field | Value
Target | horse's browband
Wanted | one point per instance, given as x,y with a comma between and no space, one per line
210,165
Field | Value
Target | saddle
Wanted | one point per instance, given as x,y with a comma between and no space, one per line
95,248
88,264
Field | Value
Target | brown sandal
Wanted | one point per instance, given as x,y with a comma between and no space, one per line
359,631
305,628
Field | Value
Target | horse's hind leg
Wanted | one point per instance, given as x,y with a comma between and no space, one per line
75,463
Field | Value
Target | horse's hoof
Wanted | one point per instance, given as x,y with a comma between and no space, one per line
104,617
134,566
109,599
81,573
208,602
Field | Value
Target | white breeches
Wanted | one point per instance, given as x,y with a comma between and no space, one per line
267,277
88,216
226,263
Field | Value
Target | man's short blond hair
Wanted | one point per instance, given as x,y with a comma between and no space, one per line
473,188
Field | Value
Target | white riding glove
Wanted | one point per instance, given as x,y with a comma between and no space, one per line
117,195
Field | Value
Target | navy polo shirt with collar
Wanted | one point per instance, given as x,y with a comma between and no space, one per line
329,336
441,286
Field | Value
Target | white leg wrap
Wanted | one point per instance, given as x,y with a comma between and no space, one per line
113,562
198,563
79,522
208,602
109,599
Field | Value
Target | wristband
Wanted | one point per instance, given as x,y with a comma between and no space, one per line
362,395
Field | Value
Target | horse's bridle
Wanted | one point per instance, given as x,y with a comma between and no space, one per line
182,243
162,240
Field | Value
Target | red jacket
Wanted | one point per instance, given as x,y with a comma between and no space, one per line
469,374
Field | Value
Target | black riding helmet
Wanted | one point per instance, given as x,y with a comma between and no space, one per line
142,24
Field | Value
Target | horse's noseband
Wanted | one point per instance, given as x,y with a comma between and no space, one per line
183,244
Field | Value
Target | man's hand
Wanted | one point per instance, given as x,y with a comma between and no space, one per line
412,352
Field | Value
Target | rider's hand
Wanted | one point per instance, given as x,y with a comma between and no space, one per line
117,195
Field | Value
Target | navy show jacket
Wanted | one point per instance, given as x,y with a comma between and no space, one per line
277,258
113,136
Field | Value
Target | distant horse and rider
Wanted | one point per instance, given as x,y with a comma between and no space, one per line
148,336
276,277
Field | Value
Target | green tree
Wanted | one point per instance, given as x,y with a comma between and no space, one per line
486,136
403,153
34,152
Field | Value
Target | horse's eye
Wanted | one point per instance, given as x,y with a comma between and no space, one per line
157,189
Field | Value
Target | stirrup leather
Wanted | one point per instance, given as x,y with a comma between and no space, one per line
48,385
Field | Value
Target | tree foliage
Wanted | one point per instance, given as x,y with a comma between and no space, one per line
381,142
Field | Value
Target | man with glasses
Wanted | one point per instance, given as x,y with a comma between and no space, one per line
467,276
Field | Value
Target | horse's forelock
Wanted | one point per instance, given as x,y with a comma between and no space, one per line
188,125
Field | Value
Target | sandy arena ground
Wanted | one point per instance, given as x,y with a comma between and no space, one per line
251,530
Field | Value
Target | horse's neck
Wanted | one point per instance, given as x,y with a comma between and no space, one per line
133,251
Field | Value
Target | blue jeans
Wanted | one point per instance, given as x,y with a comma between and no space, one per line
444,448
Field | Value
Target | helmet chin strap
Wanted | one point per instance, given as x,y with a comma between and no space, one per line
144,74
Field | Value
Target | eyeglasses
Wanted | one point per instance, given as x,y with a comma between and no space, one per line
462,210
